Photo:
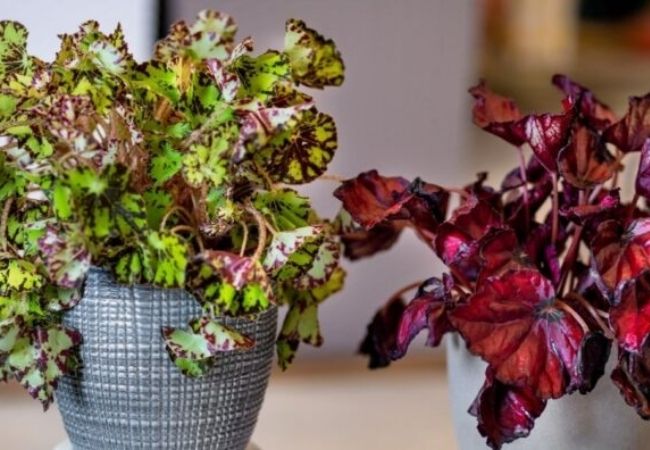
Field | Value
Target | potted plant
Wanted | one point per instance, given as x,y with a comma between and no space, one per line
147,216
546,273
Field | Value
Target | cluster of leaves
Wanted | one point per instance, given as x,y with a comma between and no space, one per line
545,273
174,172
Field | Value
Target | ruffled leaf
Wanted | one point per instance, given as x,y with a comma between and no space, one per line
513,323
13,51
585,162
66,258
427,310
380,341
315,60
630,133
505,412
632,376
497,115
597,114
547,134
371,198
630,314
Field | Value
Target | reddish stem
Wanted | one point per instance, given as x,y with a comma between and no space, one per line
524,188
405,289
556,209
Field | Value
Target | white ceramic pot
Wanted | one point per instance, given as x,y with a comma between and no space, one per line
600,420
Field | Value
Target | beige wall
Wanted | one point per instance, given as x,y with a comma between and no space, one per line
402,110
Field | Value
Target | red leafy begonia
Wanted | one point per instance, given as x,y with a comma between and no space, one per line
428,309
621,253
585,161
505,412
632,376
497,115
630,315
547,134
630,133
514,323
381,337
597,114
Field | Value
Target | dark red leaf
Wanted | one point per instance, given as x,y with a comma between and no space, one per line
630,133
427,310
605,205
534,173
585,161
427,208
497,115
621,253
505,412
592,359
500,252
361,243
458,240
632,376
513,323
547,134
371,198
630,315
643,174
381,337
597,114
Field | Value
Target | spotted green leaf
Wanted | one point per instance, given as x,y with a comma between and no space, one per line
315,60
259,75
211,36
13,50
157,203
233,284
302,152
19,275
193,351
207,161
66,258
40,360
286,243
286,209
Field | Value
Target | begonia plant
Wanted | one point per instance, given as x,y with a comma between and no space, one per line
545,272
174,172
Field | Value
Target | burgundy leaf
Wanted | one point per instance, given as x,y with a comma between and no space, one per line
585,161
428,309
505,412
458,240
604,206
547,134
592,359
513,322
621,253
632,376
361,243
597,114
371,198
630,315
630,133
497,115
381,337
534,173
500,252
643,174
427,209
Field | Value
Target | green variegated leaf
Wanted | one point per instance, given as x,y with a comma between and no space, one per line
315,61
286,209
232,283
61,299
129,213
13,51
322,266
66,258
211,36
158,78
301,322
302,152
19,275
286,243
157,202
194,351
62,200
111,53
134,265
170,259
260,75
165,165
207,162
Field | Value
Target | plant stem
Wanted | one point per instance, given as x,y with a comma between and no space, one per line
331,177
570,257
556,210
242,250
262,232
3,223
171,211
594,313
574,314
524,187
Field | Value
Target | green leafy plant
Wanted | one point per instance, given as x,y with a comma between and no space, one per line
174,172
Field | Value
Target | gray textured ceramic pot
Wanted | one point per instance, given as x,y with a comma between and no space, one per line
600,420
128,394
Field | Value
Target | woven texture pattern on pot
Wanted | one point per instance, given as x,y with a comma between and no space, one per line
129,395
